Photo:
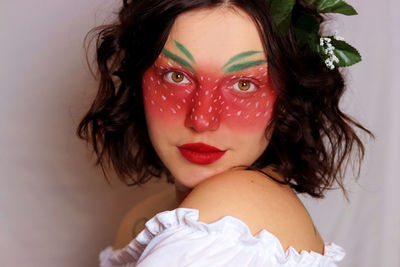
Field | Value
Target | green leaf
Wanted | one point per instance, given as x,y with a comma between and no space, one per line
244,65
335,6
240,57
311,1
177,59
184,50
306,28
314,45
281,13
346,53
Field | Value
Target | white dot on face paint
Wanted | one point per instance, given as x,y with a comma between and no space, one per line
151,78
152,102
248,104
192,100
192,109
263,95
202,78
215,88
266,114
201,117
227,107
215,100
173,110
184,100
241,101
260,69
239,112
199,103
163,97
155,91
197,93
258,114
228,114
222,102
187,91
247,116
165,86
265,74
210,109
201,86
267,103
207,123
179,107
219,98
234,100
158,82
161,110
257,104
206,93
212,118
171,94
209,78
195,118
169,64
217,80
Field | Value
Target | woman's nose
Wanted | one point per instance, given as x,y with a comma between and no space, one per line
203,114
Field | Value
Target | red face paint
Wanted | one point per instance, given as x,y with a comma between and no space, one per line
208,98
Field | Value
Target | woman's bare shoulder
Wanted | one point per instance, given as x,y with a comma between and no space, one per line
259,202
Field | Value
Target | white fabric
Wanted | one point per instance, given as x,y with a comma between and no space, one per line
177,238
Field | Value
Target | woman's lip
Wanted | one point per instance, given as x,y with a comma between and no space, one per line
199,153
200,147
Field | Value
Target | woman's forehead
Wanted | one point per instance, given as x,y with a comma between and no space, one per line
215,35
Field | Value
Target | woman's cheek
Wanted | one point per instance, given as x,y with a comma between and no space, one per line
160,101
250,113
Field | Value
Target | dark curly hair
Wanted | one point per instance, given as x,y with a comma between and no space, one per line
312,138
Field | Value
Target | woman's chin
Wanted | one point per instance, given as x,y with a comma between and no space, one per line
191,178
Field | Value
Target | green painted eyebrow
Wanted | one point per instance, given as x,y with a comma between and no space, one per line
177,59
240,56
184,50
244,65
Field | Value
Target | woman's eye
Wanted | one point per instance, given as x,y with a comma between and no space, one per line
176,77
244,86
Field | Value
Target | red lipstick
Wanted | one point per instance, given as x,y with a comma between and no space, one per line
200,153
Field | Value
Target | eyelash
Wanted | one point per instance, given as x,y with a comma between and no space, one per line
252,88
167,76
185,80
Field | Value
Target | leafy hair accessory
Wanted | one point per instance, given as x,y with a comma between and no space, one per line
333,50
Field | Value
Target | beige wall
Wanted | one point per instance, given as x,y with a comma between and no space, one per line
55,207
57,210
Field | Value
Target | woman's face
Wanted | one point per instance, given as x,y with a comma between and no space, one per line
208,97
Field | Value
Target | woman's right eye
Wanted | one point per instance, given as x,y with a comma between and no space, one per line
176,77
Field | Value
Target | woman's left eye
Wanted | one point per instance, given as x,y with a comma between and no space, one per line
244,86
176,77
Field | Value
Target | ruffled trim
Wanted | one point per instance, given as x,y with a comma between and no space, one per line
229,227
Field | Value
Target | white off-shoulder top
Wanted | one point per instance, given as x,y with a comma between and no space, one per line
176,238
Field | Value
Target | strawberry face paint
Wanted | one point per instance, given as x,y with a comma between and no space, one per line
243,100
208,97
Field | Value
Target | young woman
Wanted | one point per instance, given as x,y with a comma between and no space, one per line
238,109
